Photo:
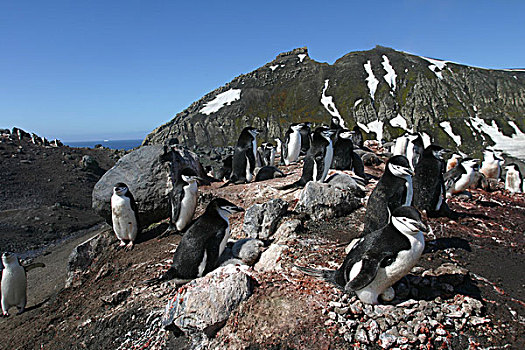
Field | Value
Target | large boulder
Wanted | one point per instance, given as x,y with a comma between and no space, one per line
149,173
261,220
324,201
205,304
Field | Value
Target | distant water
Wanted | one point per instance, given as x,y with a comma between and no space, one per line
113,144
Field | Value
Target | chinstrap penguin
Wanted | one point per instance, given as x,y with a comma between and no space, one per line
378,260
414,150
513,178
318,159
461,177
306,137
125,215
243,162
343,150
265,155
183,199
14,283
267,173
202,244
453,161
292,144
394,189
491,165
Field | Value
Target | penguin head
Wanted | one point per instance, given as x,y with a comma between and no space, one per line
399,166
224,207
189,175
296,127
345,134
469,163
325,132
436,151
306,125
513,167
253,131
9,258
120,189
407,220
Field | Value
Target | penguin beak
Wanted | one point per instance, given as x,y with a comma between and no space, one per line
408,171
237,209
422,227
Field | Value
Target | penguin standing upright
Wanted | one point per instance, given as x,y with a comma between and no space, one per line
306,137
461,177
183,199
513,178
318,159
491,166
380,259
357,137
266,155
343,150
400,147
125,215
292,144
429,185
414,150
243,161
202,244
14,283
393,190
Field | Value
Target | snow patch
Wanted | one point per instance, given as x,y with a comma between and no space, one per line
372,82
222,99
400,122
358,102
475,108
448,129
437,73
436,64
301,57
514,145
427,140
390,75
329,105
376,127
364,127
274,67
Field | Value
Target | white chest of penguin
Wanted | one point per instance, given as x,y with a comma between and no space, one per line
15,282
188,205
122,212
406,259
294,146
249,175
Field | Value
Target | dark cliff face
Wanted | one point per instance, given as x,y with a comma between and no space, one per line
384,91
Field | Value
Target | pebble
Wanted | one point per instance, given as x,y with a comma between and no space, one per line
360,336
387,340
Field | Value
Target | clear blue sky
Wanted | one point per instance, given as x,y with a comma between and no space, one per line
83,70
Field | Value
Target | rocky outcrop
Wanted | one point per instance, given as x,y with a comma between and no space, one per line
149,173
382,90
261,220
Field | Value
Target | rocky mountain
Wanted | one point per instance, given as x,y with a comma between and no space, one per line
384,91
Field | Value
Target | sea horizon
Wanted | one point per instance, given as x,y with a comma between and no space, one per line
113,144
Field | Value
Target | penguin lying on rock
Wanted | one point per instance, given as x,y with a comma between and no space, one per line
202,244
14,283
380,259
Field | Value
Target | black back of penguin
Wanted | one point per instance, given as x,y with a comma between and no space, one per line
305,137
244,156
428,182
315,156
343,150
390,193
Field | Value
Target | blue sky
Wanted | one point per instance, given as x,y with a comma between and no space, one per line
84,70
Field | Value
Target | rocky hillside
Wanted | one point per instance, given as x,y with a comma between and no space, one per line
383,90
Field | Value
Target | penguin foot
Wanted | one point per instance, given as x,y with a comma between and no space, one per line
20,311
129,246
171,230
5,314
122,244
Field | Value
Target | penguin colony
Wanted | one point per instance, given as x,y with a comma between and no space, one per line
415,179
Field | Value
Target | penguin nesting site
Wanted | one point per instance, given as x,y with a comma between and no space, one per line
318,240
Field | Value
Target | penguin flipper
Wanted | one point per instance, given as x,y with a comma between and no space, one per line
33,266
365,275
326,275
176,196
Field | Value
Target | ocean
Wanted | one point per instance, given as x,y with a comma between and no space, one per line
113,144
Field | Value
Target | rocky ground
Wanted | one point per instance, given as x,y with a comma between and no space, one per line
466,292
45,191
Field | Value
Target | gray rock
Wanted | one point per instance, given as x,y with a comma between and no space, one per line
287,231
261,220
83,255
387,340
149,173
205,304
323,201
361,336
248,250
345,182
88,163
271,259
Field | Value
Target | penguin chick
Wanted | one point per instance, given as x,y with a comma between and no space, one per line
380,259
202,244
461,177
513,179
125,215
393,190
491,165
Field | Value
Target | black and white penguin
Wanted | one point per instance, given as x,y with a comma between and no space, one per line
183,199
380,259
318,158
292,144
414,150
513,178
393,190
243,162
202,244
429,185
14,283
306,137
125,215
335,123
265,155
267,173
357,137
343,150
225,171
491,165
461,177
